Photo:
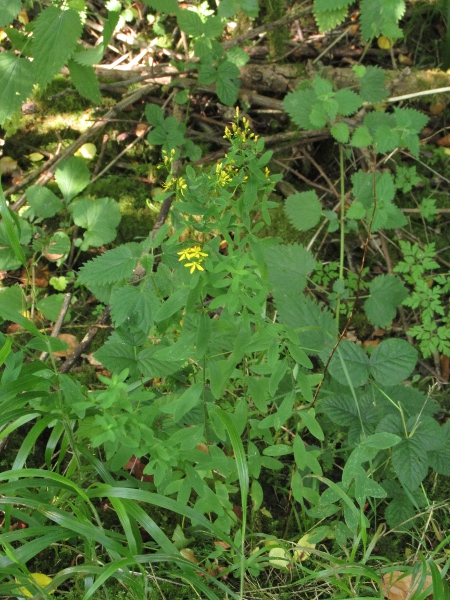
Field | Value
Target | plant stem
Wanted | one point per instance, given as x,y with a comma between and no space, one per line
342,241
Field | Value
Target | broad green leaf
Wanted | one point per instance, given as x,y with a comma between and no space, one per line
9,9
150,366
184,403
440,460
329,19
112,266
132,306
392,361
387,292
308,418
350,362
50,307
99,217
55,36
277,450
173,304
213,26
366,487
85,80
340,132
238,56
361,137
303,210
90,57
16,83
72,176
154,114
227,87
348,102
116,357
288,267
12,230
299,105
382,441
342,409
163,6
191,23
43,201
410,462
12,305
373,85
325,5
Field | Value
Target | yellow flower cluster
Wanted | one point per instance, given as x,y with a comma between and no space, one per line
195,256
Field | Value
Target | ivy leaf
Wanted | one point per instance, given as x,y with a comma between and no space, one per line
348,102
85,81
43,201
99,217
303,210
112,266
55,37
373,85
386,293
392,361
72,176
288,267
9,9
349,359
16,83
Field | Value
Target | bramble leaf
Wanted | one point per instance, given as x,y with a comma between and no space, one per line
350,361
56,33
386,293
410,462
190,22
392,361
303,210
99,217
288,267
16,83
112,266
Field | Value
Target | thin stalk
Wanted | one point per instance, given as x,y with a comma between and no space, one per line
342,240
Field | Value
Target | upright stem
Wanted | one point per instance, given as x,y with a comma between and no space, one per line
342,241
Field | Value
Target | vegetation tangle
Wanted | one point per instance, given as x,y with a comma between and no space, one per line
239,441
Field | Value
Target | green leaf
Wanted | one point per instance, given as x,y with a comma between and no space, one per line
227,87
373,85
11,227
238,56
116,357
16,83
342,409
393,361
90,57
57,246
381,17
191,23
72,176
151,366
309,419
382,441
172,305
361,137
348,102
9,9
350,361
299,105
43,201
55,37
386,293
400,511
154,114
303,210
99,217
340,132
163,6
51,306
12,302
329,19
132,306
288,267
213,26
85,80
112,266
440,460
410,462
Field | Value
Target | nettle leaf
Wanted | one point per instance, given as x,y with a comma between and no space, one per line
89,57
440,460
350,364
348,102
117,356
43,201
9,9
299,105
381,17
112,266
410,462
329,19
340,132
132,306
325,5
361,137
163,6
288,267
55,37
99,217
190,22
393,361
373,85
85,81
72,176
303,210
16,83
387,292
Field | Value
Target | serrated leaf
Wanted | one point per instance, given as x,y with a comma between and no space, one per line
150,366
191,23
299,105
303,210
238,56
288,267
72,176
112,266
9,9
154,114
213,26
373,85
227,91
55,36
440,460
132,306
350,360
393,361
329,19
341,132
43,201
342,409
410,462
361,137
400,511
89,57
348,102
16,83
387,292
85,81
116,357
163,6
99,217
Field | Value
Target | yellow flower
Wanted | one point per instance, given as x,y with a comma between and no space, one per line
41,580
194,265
194,252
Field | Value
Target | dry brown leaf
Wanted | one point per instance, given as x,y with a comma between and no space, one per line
39,278
140,130
438,107
189,555
92,361
444,141
396,586
71,341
